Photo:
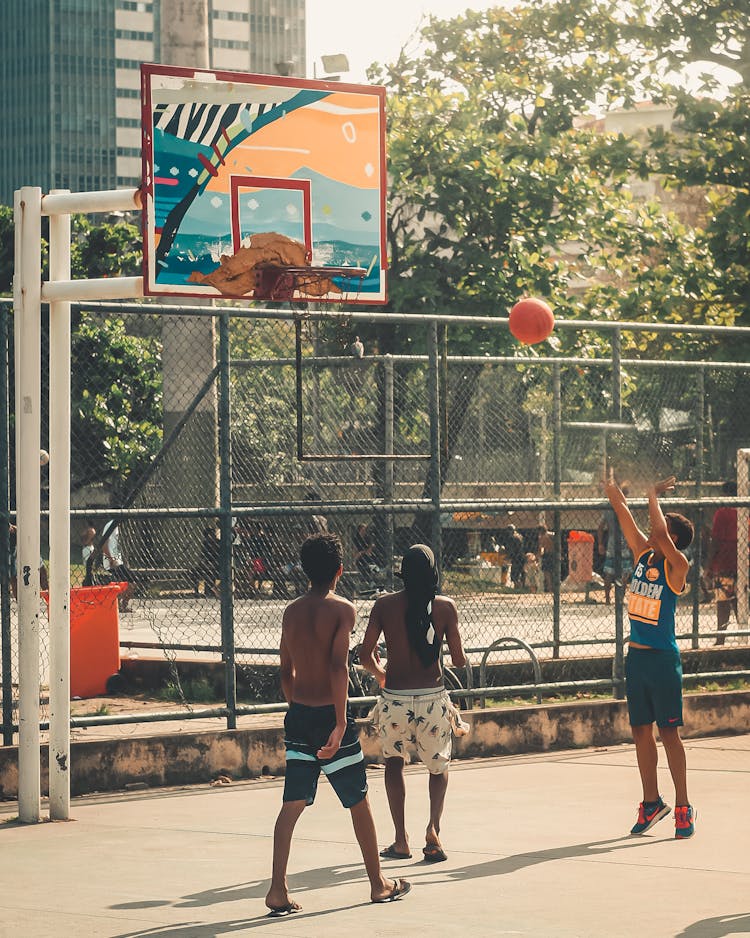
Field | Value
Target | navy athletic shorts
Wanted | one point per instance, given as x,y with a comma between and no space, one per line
306,729
653,686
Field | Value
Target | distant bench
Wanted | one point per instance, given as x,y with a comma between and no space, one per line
163,577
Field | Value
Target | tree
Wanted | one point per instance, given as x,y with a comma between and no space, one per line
115,403
494,170
498,168
106,249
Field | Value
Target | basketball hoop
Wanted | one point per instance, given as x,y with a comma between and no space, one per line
282,283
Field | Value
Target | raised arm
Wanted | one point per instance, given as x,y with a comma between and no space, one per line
660,536
368,656
339,678
637,541
453,636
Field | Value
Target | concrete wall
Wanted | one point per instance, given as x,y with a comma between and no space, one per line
194,758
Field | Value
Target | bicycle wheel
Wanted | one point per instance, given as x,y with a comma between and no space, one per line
453,682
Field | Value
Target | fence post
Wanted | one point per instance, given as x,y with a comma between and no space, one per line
388,467
225,524
557,517
434,403
700,410
743,490
59,526
618,664
27,302
5,639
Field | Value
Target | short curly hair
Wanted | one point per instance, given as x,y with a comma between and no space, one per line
682,527
321,556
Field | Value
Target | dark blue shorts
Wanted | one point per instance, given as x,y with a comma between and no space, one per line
306,729
653,686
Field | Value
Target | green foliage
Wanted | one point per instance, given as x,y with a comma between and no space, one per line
116,401
105,250
194,690
497,173
6,249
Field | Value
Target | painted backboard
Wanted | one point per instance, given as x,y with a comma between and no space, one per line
242,171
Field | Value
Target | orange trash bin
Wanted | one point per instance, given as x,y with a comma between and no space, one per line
94,637
580,556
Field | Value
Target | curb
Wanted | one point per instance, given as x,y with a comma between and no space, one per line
196,758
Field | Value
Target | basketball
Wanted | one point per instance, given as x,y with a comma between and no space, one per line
531,320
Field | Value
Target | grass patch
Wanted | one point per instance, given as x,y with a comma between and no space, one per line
196,690
455,581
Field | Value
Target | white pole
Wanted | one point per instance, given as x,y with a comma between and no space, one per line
103,288
27,316
59,526
63,201
743,491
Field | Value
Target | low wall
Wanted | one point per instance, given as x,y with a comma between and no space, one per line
194,758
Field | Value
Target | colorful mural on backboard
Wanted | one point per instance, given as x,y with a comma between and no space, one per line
240,167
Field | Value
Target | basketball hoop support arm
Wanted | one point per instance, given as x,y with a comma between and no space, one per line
28,294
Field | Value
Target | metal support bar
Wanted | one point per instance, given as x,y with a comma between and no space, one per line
66,202
449,319
434,471
618,662
59,528
743,489
225,524
388,474
557,517
28,338
5,558
103,288
697,567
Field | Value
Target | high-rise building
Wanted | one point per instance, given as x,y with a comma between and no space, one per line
69,74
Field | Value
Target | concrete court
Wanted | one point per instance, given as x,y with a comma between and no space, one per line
536,846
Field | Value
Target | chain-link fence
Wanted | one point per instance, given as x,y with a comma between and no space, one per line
207,444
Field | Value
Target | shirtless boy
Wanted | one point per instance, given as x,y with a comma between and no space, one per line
415,707
319,733
653,670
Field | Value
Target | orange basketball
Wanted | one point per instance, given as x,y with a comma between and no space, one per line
531,320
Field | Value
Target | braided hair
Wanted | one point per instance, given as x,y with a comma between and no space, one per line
420,577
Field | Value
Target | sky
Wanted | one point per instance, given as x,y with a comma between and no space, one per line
369,31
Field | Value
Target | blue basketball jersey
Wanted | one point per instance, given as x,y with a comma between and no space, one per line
651,604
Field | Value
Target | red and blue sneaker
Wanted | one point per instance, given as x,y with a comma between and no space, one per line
649,812
684,821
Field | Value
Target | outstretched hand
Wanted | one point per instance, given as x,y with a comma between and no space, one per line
610,485
665,485
329,750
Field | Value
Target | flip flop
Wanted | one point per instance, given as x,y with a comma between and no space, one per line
400,889
390,853
279,911
433,853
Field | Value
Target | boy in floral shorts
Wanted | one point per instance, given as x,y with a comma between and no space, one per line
415,709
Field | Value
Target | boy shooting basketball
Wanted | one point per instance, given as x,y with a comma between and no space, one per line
319,733
653,670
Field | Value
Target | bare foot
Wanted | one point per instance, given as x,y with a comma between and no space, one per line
390,890
398,850
433,849
279,903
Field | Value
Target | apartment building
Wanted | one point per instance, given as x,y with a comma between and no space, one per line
69,73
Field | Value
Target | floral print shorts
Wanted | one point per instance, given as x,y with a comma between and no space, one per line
424,722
